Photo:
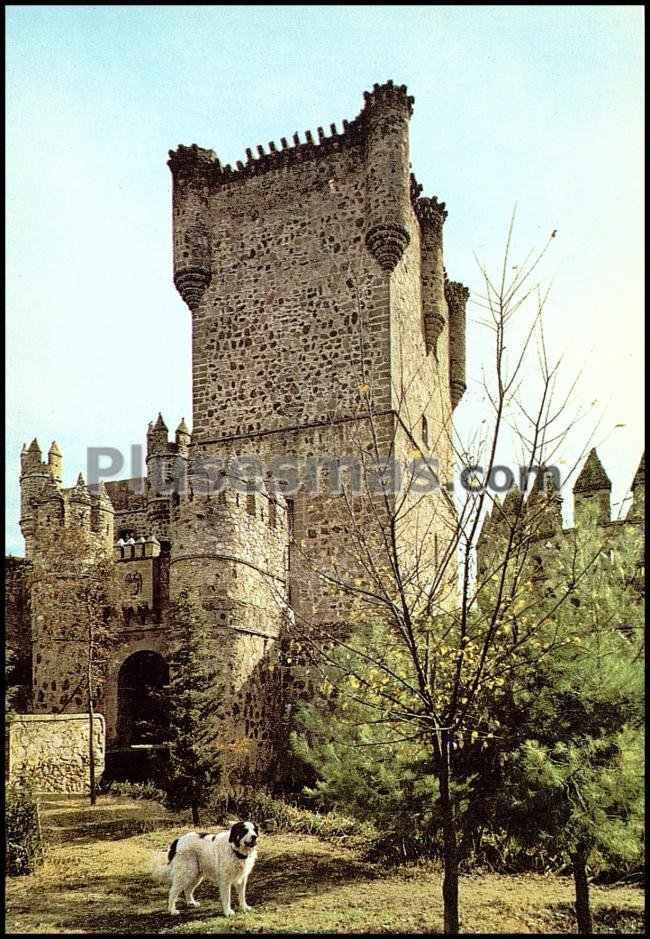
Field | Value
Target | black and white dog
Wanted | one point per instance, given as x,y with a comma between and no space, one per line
226,859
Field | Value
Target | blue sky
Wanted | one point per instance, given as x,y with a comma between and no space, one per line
542,106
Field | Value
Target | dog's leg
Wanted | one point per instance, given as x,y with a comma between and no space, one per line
224,894
174,893
185,878
189,893
241,895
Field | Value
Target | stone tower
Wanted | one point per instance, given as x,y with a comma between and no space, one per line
314,274
314,269
46,509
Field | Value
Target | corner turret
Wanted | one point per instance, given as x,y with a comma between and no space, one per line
166,470
431,214
386,116
456,295
157,438
34,475
592,491
158,456
103,515
191,169
55,462
50,511
183,438
80,504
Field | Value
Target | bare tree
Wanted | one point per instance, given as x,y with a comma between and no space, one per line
452,630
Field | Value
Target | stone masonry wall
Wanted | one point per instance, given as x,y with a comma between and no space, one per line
276,339
18,632
229,555
50,751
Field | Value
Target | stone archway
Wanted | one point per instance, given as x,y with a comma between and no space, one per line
140,712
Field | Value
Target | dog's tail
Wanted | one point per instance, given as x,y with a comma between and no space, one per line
161,869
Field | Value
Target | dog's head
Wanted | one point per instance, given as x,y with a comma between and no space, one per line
243,836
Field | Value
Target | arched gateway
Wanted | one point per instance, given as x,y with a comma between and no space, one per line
140,713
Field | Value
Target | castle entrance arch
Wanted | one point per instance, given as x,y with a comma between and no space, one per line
140,713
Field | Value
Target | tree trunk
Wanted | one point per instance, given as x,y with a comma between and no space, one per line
195,813
91,753
91,721
583,908
449,845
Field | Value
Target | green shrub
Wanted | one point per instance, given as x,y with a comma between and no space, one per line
144,791
261,807
24,844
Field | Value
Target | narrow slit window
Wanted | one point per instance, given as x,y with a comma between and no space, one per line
425,431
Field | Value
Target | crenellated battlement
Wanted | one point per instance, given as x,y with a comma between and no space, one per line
46,506
455,292
191,159
133,550
198,160
388,95
224,496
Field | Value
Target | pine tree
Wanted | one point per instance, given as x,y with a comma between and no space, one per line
550,754
194,767
574,716
367,768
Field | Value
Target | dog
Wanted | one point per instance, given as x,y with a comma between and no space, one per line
226,858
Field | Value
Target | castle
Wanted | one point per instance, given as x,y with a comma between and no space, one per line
323,323
313,272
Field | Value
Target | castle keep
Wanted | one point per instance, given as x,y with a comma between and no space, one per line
313,273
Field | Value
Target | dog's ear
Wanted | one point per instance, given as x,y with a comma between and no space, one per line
257,831
237,832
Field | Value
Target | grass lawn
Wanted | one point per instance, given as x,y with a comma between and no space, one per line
96,880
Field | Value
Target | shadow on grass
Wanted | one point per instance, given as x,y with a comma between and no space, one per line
77,906
612,920
135,904
116,830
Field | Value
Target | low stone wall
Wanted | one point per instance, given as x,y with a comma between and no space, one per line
50,751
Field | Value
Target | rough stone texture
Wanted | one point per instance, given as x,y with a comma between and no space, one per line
314,275
50,751
18,629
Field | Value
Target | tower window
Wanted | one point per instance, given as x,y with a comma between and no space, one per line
425,431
